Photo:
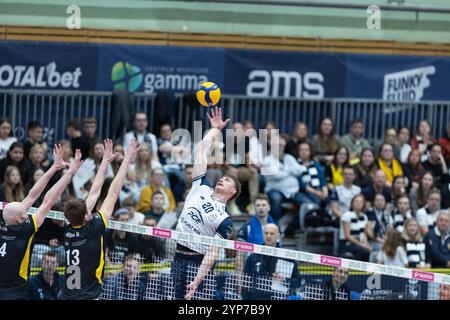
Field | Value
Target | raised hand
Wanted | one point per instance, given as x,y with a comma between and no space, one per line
58,154
191,288
108,155
216,119
132,150
75,163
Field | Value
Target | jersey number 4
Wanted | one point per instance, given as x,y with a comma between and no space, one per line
3,250
73,257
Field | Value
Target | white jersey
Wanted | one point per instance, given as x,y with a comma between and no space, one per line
203,215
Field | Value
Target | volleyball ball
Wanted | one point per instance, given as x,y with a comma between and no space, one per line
209,94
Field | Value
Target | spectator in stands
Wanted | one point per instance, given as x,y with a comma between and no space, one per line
352,232
393,253
252,230
326,142
354,140
156,183
426,216
6,137
120,243
90,133
126,285
336,288
47,284
265,271
140,127
283,185
436,164
179,190
415,247
379,221
333,173
401,213
423,139
265,140
378,186
445,143
135,217
130,188
403,143
419,195
144,165
444,291
437,242
366,168
156,211
390,137
256,153
36,174
35,136
67,148
399,188
313,187
341,197
388,163
73,130
115,165
15,157
37,160
150,248
413,169
12,188
299,135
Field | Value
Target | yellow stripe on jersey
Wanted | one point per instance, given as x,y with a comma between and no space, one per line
104,218
23,272
99,271
35,223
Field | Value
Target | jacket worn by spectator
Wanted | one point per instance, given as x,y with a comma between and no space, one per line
252,231
39,289
145,201
286,172
437,248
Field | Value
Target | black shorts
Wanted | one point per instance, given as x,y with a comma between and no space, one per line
14,292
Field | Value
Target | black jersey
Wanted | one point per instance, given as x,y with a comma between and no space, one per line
85,258
15,251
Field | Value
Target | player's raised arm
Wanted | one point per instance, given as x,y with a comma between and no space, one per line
108,158
203,148
55,192
40,185
116,186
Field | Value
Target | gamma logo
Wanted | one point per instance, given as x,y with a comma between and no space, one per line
126,76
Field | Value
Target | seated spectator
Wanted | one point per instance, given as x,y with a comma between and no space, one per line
37,160
401,213
299,135
143,165
283,185
173,166
444,291
413,169
135,217
269,275
156,184
256,154
445,143
90,133
426,216
12,188
128,284
352,232
343,194
6,137
378,186
399,187
184,184
47,284
150,248
366,168
157,207
35,133
130,188
73,130
67,147
420,194
423,140
336,288
115,165
393,253
120,243
326,142
379,221
15,157
354,141
390,137
333,173
388,163
437,242
436,165
403,144
415,247
252,230
140,127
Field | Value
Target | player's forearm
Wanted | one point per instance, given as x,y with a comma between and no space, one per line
55,192
116,185
209,138
207,264
38,187
96,188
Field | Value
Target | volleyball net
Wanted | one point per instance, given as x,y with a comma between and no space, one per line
145,263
